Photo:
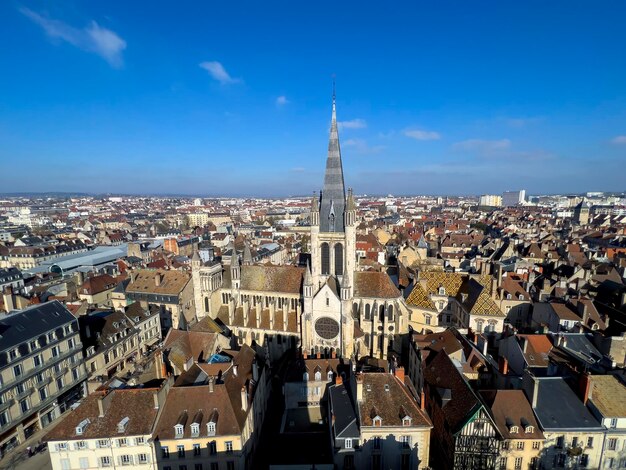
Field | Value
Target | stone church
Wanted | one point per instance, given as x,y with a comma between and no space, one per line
330,307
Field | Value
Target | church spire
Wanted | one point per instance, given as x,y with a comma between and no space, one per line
334,194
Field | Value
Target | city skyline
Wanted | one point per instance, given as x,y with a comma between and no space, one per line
428,103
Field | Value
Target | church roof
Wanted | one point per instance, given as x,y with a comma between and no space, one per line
334,195
285,279
374,284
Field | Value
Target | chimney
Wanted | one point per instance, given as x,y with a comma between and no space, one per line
244,398
585,387
211,385
422,400
503,365
582,309
318,355
400,373
9,299
158,278
155,399
305,355
104,401
333,354
530,384
359,387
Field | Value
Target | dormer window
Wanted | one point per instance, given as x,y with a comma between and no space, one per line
406,421
329,376
318,375
514,429
179,431
509,296
520,297
377,421
442,291
210,428
305,377
195,429
529,429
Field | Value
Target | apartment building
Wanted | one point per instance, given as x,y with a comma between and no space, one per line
110,429
41,369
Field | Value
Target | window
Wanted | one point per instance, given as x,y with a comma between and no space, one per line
427,319
17,370
230,465
559,442
378,421
60,383
4,418
584,460
378,443
102,443
75,374
80,445
518,462
196,450
520,445
348,443
55,351
195,429
12,354
71,343
574,442
65,464
211,427
536,445
442,291
502,463
229,446
165,452
406,421
529,429
479,326
105,461
179,430
610,462
613,422
612,444
123,442
181,452
61,446
140,441
318,375
143,458
24,405
325,258
405,442
37,360
338,259
126,460
212,447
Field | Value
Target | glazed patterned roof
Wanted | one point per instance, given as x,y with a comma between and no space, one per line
473,293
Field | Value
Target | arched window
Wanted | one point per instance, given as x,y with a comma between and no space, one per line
367,312
325,258
338,259
390,313
206,304
355,311
367,340
381,314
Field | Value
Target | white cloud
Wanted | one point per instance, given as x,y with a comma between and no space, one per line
620,139
483,146
218,72
282,100
352,124
419,134
361,146
92,38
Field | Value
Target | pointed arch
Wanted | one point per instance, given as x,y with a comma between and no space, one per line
338,259
325,258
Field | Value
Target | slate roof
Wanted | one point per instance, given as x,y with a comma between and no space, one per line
559,408
345,423
32,322
96,284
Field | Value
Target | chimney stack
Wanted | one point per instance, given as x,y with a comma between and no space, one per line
400,373
359,387
586,387
244,398
211,385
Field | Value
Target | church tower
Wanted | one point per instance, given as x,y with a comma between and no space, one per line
333,231
327,323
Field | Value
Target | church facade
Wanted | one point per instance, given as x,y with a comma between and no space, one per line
329,307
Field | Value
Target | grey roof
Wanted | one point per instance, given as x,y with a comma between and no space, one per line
9,275
559,408
345,425
334,195
32,322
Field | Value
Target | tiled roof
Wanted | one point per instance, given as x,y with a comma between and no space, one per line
390,404
374,284
420,298
171,282
285,279
511,408
135,404
608,394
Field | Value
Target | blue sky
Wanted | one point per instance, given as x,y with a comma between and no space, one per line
233,98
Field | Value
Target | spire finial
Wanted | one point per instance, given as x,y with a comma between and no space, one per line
333,88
